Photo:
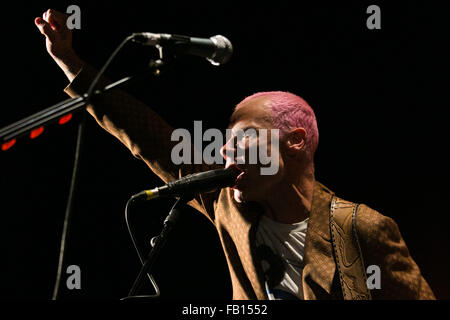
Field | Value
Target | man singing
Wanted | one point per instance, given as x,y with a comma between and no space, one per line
284,235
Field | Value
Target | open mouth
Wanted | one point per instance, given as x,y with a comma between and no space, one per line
240,173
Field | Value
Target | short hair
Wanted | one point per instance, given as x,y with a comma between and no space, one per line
290,111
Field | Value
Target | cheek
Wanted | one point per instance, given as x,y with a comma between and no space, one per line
279,175
270,179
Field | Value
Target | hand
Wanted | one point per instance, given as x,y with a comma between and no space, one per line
58,40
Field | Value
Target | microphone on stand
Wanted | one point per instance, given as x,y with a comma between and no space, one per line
216,49
192,184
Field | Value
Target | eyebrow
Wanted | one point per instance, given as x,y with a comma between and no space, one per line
250,127
256,130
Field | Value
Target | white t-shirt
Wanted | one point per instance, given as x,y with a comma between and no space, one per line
284,246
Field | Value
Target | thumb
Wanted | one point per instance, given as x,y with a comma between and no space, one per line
45,28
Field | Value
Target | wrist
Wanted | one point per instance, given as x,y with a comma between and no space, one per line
71,64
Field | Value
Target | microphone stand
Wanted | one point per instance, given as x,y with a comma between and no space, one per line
157,244
65,107
22,127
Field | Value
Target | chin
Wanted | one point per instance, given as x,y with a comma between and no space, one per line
241,196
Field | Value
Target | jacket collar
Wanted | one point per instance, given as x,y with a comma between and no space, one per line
319,265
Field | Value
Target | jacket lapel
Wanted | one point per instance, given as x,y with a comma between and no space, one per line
319,265
242,222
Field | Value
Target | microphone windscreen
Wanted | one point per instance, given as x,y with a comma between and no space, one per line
224,49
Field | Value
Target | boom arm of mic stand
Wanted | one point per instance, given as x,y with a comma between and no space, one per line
58,110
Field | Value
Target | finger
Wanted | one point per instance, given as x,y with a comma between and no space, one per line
48,16
53,22
45,28
57,19
61,17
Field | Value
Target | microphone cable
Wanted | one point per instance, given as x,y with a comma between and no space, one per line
140,255
105,66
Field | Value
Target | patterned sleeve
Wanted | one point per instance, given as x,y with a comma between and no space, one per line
382,245
142,131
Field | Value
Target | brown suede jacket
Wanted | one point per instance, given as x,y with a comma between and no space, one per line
147,136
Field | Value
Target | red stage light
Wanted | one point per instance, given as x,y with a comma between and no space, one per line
65,118
36,132
8,144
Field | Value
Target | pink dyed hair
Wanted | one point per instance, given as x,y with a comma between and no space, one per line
290,111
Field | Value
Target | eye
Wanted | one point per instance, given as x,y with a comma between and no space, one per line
247,134
251,132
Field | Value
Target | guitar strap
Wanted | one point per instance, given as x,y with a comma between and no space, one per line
347,251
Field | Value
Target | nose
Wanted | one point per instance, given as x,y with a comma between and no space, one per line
228,151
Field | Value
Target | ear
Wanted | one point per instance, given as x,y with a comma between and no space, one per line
295,141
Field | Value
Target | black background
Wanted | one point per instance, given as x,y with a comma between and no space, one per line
379,97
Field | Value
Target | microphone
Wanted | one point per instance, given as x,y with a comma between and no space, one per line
216,49
193,183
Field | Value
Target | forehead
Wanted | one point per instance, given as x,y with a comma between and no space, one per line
254,112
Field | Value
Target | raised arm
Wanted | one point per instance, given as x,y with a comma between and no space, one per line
140,129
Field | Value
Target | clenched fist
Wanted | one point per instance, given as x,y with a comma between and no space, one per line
58,40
